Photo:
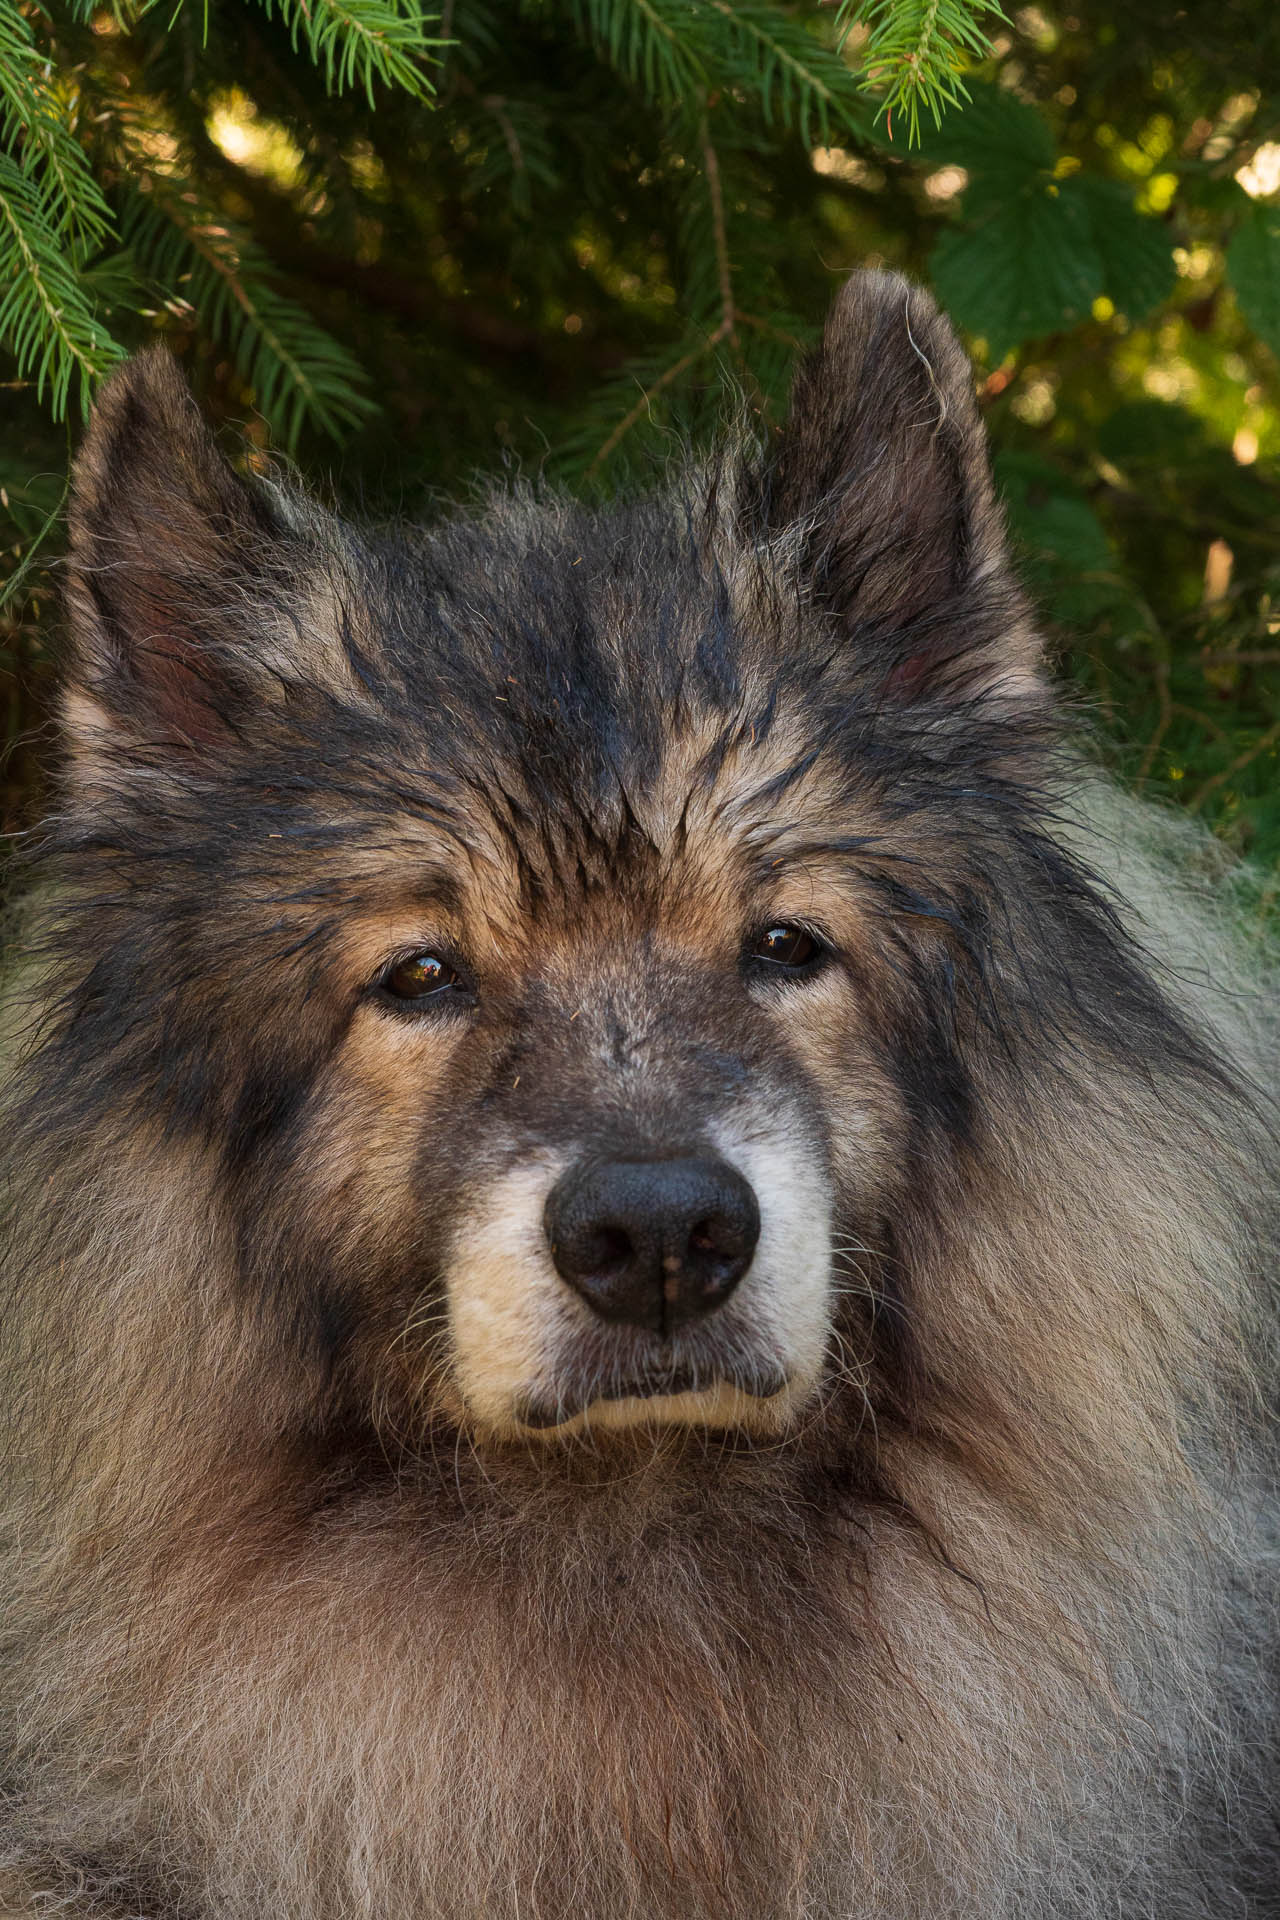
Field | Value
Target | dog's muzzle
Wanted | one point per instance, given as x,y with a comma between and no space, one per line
653,1243
648,1288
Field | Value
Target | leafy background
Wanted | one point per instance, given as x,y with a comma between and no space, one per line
403,248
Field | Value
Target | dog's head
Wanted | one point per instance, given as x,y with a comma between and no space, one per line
557,934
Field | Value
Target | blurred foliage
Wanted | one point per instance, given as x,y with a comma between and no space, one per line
557,232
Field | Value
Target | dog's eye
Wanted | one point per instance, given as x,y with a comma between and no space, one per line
785,946
422,977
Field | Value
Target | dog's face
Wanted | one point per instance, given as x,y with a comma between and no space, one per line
619,1156
548,929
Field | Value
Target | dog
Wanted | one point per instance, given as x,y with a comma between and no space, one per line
640,1215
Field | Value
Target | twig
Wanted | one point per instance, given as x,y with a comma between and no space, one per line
12,585
1201,720
728,324
497,106
715,193
1260,745
767,327
664,379
1162,725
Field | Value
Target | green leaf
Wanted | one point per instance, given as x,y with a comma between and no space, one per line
1049,515
1152,433
1042,249
994,134
1066,556
1030,267
1253,268
1137,258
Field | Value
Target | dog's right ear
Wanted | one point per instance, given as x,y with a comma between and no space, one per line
882,486
187,588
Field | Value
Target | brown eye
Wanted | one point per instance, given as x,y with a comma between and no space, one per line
787,946
422,976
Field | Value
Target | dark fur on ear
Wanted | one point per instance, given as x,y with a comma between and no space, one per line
883,472
160,528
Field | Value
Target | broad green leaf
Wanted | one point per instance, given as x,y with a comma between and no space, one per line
1030,267
1253,268
1137,258
1201,185
993,133
1049,515
1153,432
1065,553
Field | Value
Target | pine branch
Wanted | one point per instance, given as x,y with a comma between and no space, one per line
746,352
299,373
360,41
37,132
724,330
648,41
797,79
665,378
46,519
520,155
917,50
46,321
682,49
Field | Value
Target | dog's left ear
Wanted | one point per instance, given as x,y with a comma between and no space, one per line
883,488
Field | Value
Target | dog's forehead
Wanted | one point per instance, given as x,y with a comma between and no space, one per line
584,723
596,674
588,628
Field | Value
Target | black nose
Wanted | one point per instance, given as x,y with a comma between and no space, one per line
653,1242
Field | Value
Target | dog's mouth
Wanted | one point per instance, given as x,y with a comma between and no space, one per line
681,1393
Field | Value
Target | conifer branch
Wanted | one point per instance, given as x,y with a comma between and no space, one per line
498,108
52,212
646,43
917,51
360,41
725,328
298,372
1254,751
798,80
45,319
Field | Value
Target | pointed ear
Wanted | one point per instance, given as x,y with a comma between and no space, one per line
189,592
884,485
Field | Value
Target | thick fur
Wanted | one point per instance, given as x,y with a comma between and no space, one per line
976,1619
